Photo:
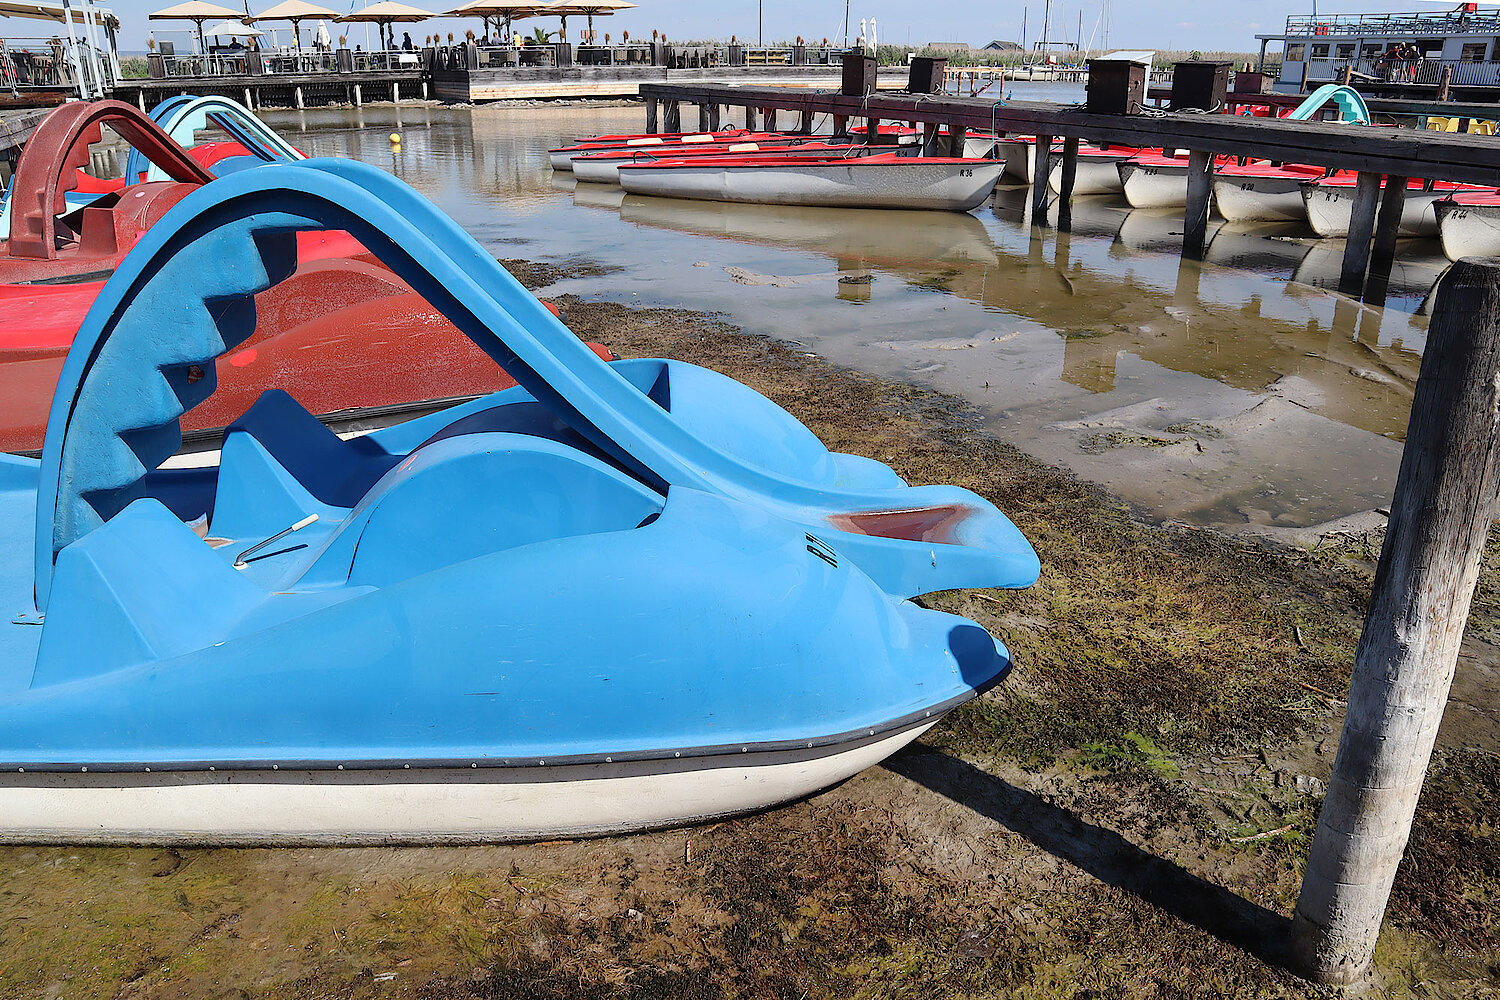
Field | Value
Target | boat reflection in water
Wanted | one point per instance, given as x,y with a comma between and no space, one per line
1223,373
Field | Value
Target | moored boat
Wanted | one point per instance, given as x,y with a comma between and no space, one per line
561,157
1330,204
1469,224
1261,192
604,168
504,621
1154,180
885,180
1096,170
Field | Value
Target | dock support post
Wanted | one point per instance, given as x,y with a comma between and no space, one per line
770,117
651,111
297,93
1403,666
1387,226
957,134
840,124
424,90
673,116
247,99
1200,186
750,117
704,118
1039,177
1445,83
929,138
1065,192
396,92
1361,228
359,96
805,122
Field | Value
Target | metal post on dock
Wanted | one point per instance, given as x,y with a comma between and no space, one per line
1361,228
1445,499
1065,188
651,121
1200,186
1040,173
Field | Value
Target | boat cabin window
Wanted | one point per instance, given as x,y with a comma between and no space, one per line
1372,50
1320,51
1473,52
1296,52
1431,48
1345,50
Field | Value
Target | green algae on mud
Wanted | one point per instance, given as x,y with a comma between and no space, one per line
1166,702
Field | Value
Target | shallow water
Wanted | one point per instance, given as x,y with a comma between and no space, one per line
1235,392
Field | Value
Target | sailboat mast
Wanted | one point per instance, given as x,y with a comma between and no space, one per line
1046,18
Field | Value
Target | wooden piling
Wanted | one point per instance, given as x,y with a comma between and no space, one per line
396,91
297,94
929,138
840,124
805,122
651,120
1200,186
1065,192
713,118
750,117
1387,227
673,117
1445,83
705,117
957,135
770,119
1445,499
1361,228
1040,173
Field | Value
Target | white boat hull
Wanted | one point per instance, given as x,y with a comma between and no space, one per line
1330,207
909,183
424,805
1149,185
1469,230
1094,175
1259,199
978,148
1020,160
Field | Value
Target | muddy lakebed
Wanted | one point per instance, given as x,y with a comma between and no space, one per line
1128,816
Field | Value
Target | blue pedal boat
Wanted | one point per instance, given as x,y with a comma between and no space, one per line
618,596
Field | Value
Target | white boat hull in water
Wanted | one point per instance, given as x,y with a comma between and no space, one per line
910,182
1020,159
1259,199
1151,185
1468,230
1094,175
1329,208
393,804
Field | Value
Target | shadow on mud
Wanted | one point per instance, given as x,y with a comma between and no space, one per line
1102,853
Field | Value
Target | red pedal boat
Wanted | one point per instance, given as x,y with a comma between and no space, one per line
343,335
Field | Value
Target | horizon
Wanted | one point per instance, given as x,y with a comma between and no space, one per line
1095,24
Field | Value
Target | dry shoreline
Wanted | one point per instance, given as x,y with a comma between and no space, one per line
1094,828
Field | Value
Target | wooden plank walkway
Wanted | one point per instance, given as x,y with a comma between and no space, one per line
1374,153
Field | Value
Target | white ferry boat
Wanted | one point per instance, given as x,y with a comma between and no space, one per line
1388,49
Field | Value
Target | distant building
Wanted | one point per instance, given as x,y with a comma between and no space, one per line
999,46
948,46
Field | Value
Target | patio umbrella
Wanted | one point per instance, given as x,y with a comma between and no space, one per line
385,13
295,11
504,10
587,8
196,11
232,29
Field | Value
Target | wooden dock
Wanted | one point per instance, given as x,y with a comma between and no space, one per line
1397,154
282,90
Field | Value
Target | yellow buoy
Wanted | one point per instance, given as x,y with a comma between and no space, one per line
395,138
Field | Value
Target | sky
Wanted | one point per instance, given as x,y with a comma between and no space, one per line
1217,25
